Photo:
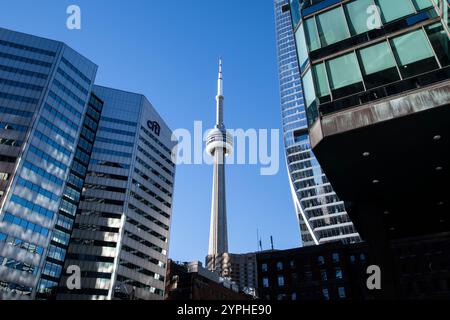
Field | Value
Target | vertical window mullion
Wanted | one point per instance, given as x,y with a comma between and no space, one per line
431,46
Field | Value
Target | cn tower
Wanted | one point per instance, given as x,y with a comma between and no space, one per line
218,145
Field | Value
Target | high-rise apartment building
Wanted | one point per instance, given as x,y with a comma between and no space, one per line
44,93
321,214
121,233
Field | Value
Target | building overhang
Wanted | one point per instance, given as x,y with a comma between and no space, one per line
391,158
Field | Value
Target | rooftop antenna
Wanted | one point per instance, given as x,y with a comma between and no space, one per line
257,239
271,242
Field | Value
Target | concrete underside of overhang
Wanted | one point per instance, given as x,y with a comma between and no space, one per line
399,174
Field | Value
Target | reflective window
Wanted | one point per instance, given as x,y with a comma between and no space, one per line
440,42
265,282
344,75
332,26
308,88
295,11
321,260
356,15
335,257
321,83
338,273
392,10
326,294
413,53
422,4
378,65
279,266
301,45
280,281
312,36
341,291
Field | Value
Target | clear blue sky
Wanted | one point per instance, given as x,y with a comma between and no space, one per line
168,51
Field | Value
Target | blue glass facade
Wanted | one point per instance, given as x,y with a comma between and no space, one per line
322,216
44,86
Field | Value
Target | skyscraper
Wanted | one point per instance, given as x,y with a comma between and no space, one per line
375,75
321,214
86,179
218,145
121,232
44,93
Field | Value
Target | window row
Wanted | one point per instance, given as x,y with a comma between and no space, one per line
25,60
32,207
23,72
22,85
155,172
112,152
64,104
69,92
75,69
44,156
119,121
27,48
52,143
57,130
17,98
356,17
72,81
38,189
26,225
10,142
16,112
61,117
400,57
18,265
30,247
114,141
13,126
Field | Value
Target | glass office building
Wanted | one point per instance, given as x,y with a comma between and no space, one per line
44,93
321,214
121,232
375,77
86,179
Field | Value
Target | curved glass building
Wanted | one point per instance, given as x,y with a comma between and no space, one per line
322,216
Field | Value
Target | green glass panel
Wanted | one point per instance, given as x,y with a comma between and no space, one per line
308,88
440,42
311,34
395,9
412,47
376,58
320,80
422,4
356,12
332,26
344,71
302,52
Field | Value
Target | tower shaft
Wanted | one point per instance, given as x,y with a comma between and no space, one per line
218,145
218,236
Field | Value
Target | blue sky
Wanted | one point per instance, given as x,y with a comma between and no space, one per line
168,51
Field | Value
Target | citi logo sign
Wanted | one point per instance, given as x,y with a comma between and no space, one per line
154,127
